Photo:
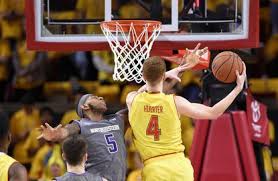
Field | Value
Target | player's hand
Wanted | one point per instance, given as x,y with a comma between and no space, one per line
191,59
241,78
49,133
174,74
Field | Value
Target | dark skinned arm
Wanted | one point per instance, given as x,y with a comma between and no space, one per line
59,133
17,172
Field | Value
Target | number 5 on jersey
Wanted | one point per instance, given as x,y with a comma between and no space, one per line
153,128
111,143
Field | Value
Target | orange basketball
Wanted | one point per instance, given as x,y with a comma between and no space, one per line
224,66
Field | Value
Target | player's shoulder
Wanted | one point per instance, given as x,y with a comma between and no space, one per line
18,171
131,95
111,117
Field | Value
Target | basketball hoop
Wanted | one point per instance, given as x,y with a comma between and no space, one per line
131,42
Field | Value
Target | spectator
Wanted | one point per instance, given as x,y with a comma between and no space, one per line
54,166
32,144
274,16
22,122
104,63
29,74
11,16
132,10
71,114
37,165
5,57
91,9
75,154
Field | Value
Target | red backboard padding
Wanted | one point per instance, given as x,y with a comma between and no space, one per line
222,150
245,146
198,146
221,161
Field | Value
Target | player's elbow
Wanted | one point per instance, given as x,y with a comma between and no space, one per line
215,115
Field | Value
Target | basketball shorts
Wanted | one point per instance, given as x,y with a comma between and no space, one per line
174,167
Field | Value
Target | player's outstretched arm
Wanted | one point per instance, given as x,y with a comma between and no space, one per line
59,133
190,60
17,172
200,111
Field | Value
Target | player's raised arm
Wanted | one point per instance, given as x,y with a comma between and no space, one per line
199,111
190,60
59,133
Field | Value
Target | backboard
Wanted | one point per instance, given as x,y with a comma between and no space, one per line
73,25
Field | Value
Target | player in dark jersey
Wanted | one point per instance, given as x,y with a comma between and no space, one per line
104,134
75,154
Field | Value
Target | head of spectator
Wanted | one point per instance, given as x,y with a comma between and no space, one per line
55,165
28,103
47,115
78,92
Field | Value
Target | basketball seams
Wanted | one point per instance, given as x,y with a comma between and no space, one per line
232,68
226,72
222,64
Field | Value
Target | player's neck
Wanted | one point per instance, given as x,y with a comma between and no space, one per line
95,117
79,169
155,88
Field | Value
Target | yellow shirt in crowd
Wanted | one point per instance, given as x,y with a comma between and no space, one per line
12,28
93,9
5,52
108,59
68,116
22,124
55,159
37,163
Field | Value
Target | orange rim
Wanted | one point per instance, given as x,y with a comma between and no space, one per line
139,25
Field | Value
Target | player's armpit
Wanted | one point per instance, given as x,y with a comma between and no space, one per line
17,172
124,116
123,113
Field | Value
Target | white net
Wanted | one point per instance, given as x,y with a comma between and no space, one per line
130,47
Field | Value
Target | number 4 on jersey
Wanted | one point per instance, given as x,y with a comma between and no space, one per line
153,128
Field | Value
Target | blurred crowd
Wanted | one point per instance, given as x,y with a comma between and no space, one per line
27,77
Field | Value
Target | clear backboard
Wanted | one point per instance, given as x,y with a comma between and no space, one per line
71,25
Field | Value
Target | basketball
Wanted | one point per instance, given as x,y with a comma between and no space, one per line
224,66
